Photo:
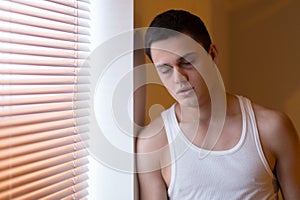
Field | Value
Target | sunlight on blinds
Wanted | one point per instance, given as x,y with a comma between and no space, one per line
44,99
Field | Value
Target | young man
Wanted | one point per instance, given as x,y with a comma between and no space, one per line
256,151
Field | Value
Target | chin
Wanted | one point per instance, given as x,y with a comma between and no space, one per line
189,102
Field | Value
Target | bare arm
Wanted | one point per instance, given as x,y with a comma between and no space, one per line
287,152
151,183
280,137
152,186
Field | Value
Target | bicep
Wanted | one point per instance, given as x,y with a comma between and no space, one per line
287,151
152,186
288,171
151,183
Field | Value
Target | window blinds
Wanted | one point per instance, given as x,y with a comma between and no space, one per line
43,99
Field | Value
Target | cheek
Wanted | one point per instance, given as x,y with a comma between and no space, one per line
201,87
165,81
195,78
168,84
198,82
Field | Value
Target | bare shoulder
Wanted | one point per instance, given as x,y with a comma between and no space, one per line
152,137
275,127
280,142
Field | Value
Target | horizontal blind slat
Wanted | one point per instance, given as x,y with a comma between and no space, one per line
41,32
22,178
42,70
12,79
41,127
40,137
42,117
42,188
17,18
40,89
69,183
40,60
41,41
81,194
45,158
30,173
68,193
39,13
47,5
12,100
40,108
82,5
41,51
40,146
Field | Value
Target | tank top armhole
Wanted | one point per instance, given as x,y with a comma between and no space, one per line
257,138
166,116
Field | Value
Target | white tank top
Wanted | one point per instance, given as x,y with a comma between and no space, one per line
240,173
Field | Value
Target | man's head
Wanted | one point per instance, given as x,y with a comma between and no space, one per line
173,22
180,48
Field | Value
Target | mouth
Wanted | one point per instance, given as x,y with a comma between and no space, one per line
185,91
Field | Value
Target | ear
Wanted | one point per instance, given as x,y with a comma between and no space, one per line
213,52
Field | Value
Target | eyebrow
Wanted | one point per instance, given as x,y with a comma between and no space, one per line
185,56
178,60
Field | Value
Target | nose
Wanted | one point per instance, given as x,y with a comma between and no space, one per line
180,75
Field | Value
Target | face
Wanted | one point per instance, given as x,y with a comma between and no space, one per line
178,61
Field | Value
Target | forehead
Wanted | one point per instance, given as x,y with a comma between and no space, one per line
174,47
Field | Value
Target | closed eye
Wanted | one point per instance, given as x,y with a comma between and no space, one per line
187,60
165,69
186,64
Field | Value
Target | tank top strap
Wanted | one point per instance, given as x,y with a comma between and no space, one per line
252,124
167,117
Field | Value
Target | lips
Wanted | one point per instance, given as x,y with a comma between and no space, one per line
184,90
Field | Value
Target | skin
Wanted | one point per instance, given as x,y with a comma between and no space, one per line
175,59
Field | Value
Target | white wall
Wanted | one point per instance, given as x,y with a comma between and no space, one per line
108,19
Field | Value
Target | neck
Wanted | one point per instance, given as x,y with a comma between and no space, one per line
201,112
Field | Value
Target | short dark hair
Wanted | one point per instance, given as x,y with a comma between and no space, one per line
173,22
